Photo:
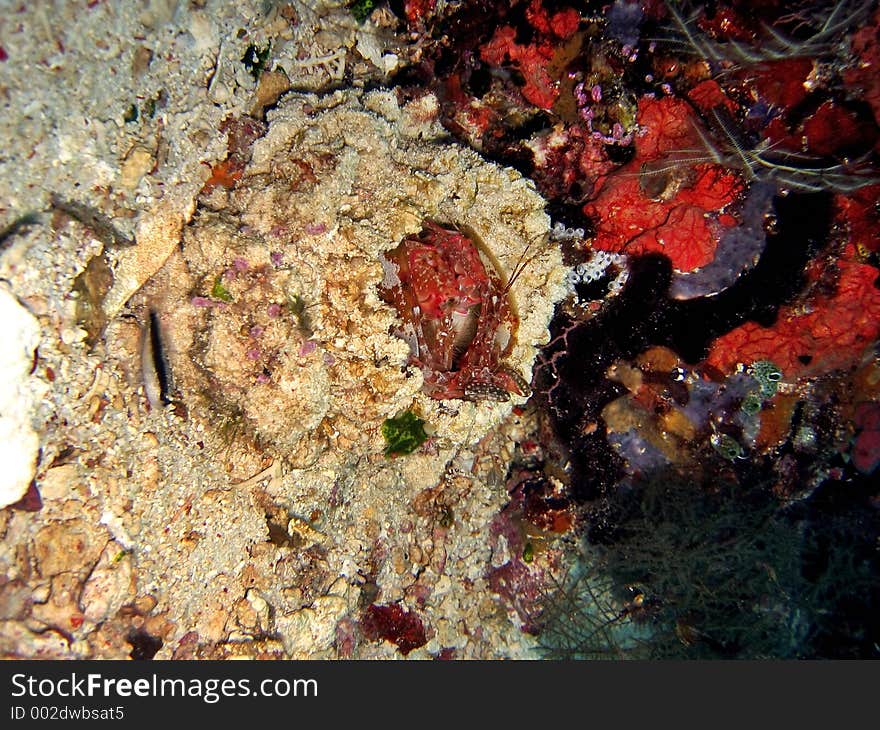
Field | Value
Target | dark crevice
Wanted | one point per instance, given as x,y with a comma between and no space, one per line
143,646
642,317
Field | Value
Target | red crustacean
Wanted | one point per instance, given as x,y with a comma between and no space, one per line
456,312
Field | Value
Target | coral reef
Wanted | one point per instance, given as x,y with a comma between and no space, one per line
259,460
271,312
435,329
723,156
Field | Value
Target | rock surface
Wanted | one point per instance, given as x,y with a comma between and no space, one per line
19,443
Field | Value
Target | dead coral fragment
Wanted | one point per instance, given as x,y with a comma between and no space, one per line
403,434
90,288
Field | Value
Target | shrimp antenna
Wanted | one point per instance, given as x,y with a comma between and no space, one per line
521,264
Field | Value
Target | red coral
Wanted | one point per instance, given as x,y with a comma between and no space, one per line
563,24
568,161
187,647
393,623
538,16
780,136
630,223
533,59
502,47
825,332
676,209
242,132
667,124
708,95
833,130
418,10
224,174
471,119
540,89
860,213
727,24
346,637
781,83
522,589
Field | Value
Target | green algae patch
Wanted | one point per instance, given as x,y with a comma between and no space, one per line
218,291
361,9
403,434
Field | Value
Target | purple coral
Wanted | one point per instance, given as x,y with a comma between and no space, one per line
623,21
738,249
